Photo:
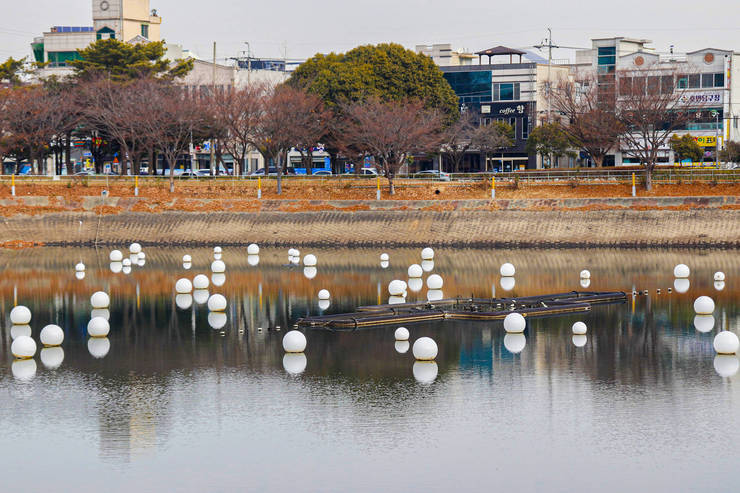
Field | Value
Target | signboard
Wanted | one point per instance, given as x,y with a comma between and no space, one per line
510,110
701,98
706,140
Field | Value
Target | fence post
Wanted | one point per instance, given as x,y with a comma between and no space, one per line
493,187
634,190
259,187
136,185
377,193
12,186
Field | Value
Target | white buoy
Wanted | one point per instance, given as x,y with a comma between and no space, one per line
396,300
719,276
217,303
98,347
719,285
704,305
508,283
585,283
681,285
397,288
24,369
427,254
218,280
704,323
324,304
425,372
384,264
515,323
98,327
183,286
310,272
580,329
142,255
23,347
100,299
141,262
725,342
52,336
52,357
134,248
126,269
295,363
427,265
402,334
579,340
507,270
200,282
218,250
515,343
116,267
20,315
435,295
187,259
324,294
217,256
415,271
217,320
187,265
80,267
726,365
115,256
253,260
681,271
310,261
402,347
100,312
585,274
218,267
425,349
184,301
200,296
294,342
126,262
293,253
435,282
384,257
416,284
253,249
17,331
79,276
294,260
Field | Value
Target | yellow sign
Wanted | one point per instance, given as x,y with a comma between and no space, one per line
706,140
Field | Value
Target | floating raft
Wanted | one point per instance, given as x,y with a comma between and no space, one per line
464,309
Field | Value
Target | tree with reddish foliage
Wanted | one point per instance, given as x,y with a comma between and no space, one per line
588,115
392,132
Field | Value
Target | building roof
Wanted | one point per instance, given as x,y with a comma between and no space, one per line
500,50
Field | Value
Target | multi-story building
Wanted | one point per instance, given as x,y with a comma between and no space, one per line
443,55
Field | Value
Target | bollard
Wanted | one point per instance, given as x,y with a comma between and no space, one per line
136,186
377,193
259,187
12,186
634,191
493,188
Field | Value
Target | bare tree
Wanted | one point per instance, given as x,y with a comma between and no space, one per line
492,138
310,125
392,132
458,138
589,117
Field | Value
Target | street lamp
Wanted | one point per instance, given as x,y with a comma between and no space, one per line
715,114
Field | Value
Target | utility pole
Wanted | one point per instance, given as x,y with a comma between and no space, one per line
249,62
213,95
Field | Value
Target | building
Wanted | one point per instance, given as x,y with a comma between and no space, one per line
444,56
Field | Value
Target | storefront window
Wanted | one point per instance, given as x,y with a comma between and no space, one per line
506,92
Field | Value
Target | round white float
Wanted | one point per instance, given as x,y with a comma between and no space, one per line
416,284
292,252
402,334
218,280
310,272
585,283
585,274
218,249
200,282
201,296
324,304
218,267
515,323
324,294
384,264
183,286
217,320
704,323
126,269
20,315
187,259
217,256
187,265
507,270
80,267
98,327
396,300
415,271
726,342
52,336
425,372
253,260
515,343
24,369
100,299
134,248
384,257
17,331
704,305
580,329
294,342
397,288
402,347
681,286
142,255
100,312
425,349
253,249
726,365
427,265
295,260
126,262
115,256
310,260
141,262
681,271
508,283
579,340
719,285
435,282
116,267
79,275
52,357
217,303
719,276
295,363
23,347
98,347
427,254
435,295
184,301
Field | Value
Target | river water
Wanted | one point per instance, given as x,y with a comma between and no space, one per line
168,403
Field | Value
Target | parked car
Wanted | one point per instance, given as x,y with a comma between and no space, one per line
322,172
433,174
365,172
272,171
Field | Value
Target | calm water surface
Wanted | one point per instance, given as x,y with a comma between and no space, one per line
168,403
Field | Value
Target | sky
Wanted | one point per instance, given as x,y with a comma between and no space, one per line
299,29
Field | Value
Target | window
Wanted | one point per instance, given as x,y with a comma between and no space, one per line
607,59
694,81
707,80
607,50
512,122
506,92
683,81
719,80
145,30
525,128
471,87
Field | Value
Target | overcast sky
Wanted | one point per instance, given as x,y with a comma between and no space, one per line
303,28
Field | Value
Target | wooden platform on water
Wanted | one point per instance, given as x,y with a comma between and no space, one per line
481,309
